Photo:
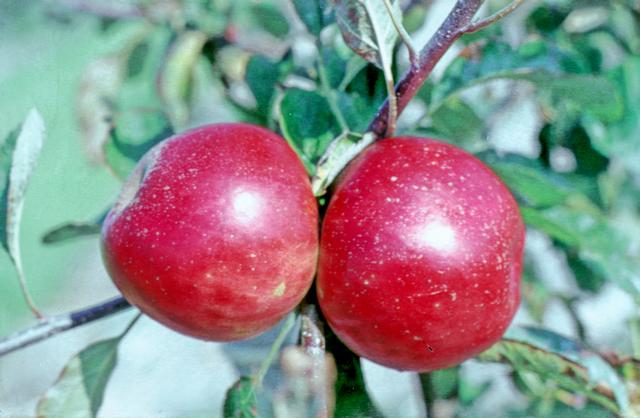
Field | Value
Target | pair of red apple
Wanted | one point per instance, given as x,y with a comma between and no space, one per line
216,236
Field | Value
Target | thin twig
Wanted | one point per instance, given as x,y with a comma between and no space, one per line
406,38
483,23
329,93
51,326
275,349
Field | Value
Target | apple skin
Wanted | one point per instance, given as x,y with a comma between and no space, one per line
420,255
215,234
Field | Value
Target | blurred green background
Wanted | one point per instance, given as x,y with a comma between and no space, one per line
41,61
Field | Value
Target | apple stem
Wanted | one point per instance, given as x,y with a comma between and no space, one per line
311,337
48,327
313,343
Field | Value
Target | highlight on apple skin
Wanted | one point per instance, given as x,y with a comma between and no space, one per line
420,255
215,233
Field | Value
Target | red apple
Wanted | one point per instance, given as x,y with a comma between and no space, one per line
215,233
420,255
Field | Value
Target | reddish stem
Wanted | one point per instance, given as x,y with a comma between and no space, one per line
451,29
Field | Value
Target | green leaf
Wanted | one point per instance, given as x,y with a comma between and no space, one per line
415,17
603,247
74,230
137,122
341,151
356,110
370,28
369,83
538,220
70,231
498,60
102,84
532,183
572,367
207,16
24,154
79,390
314,14
352,399
354,65
307,123
241,400
97,94
335,64
587,278
626,26
262,74
367,28
594,95
469,392
139,89
619,139
445,382
177,75
536,62
138,98
208,102
136,59
560,410
565,131
548,17
456,121
18,155
535,294
600,244
270,18
134,133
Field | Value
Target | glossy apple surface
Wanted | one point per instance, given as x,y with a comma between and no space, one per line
215,232
420,255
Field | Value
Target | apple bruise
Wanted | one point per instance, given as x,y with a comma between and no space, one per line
220,240
421,255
